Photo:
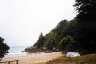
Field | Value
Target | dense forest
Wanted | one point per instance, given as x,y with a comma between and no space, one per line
77,35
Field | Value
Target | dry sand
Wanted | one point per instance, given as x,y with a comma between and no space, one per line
33,58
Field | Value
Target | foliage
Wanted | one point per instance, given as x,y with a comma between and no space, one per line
58,38
54,37
40,42
67,44
86,9
75,35
87,25
3,48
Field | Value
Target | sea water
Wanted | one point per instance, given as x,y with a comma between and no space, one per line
16,49
14,52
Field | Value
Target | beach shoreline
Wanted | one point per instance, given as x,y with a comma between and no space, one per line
32,58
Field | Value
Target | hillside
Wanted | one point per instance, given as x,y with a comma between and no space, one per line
76,35
58,39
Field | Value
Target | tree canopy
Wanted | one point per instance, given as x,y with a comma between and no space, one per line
86,9
3,48
87,24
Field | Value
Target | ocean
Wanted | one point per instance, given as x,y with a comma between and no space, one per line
17,49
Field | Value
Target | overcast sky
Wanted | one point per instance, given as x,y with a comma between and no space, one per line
22,21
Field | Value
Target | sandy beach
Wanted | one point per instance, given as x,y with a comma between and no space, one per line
32,58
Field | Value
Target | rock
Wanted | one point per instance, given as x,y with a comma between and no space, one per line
72,54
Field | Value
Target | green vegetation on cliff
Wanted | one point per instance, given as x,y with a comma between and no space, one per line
61,38
76,35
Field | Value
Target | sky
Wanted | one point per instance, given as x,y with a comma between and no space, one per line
22,21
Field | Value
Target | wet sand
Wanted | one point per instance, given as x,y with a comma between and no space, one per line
32,58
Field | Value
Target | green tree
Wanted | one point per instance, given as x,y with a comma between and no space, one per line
68,43
51,41
55,36
86,29
3,48
40,42
86,9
